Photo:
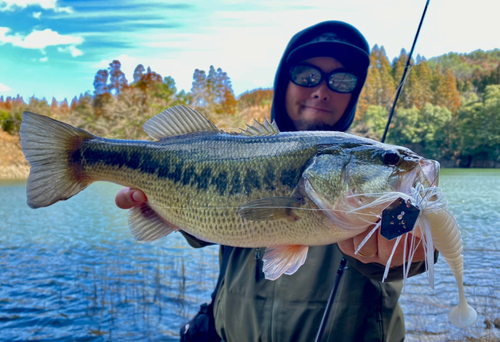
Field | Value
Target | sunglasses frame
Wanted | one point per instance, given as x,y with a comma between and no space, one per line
324,76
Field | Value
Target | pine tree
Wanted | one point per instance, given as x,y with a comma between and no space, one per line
423,94
387,81
117,80
398,67
101,82
138,72
199,89
64,108
452,96
54,107
74,103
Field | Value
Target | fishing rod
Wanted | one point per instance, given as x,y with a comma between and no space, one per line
343,262
407,66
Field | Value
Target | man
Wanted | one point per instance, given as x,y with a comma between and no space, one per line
317,86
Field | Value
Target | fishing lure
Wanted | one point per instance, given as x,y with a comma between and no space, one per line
437,228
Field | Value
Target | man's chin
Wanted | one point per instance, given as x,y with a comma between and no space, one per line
304,125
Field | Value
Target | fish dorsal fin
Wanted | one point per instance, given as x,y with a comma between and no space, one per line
177,120
260,129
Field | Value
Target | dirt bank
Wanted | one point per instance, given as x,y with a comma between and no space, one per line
13,165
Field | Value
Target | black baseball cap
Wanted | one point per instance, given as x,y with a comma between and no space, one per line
330,44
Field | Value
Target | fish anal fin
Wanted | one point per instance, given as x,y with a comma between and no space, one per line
178,120
146,225
271,208
280,260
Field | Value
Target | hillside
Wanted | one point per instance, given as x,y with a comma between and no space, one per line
463,65
13,165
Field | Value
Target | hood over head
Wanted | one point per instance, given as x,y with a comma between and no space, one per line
327,39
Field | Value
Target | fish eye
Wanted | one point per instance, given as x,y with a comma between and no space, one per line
391,157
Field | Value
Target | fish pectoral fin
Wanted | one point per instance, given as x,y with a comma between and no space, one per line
283,259
147,225
177,120
271,208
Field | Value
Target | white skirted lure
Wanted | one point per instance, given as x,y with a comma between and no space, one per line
437,228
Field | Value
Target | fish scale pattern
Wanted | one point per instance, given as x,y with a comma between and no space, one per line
198,182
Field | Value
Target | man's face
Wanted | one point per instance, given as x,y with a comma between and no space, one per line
316,108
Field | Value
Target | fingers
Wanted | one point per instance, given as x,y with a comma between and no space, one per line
370,248
378,249
128,198
400,254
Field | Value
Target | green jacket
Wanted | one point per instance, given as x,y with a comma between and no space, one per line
250,308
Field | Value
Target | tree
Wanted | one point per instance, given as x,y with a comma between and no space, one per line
117,80
74,103
138,72
64,108
212,94
199,89
423,94
479,127
54,106
101,82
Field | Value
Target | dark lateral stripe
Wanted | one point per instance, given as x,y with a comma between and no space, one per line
175,169
251,181
289,177
188,174
202,180
236,185
269,178
109,157
220,183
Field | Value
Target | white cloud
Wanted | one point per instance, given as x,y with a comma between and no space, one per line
44,59
3,87
42,39
37,15
72,50
11,5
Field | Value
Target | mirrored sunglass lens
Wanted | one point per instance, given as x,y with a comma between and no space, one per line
343,82
305,76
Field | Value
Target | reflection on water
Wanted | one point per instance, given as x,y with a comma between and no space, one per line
73,272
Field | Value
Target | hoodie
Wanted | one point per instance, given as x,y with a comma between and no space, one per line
350,48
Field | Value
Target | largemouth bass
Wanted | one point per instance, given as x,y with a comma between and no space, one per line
257,188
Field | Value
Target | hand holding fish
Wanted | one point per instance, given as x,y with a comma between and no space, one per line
127,198
378,249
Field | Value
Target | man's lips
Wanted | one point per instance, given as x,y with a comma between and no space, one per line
319,109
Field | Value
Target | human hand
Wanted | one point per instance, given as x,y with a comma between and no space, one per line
130,197
378,249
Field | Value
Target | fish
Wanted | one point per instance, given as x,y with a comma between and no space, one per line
259,187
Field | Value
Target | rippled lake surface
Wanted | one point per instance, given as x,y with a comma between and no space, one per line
73,272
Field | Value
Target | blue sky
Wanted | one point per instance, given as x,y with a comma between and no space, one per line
54,48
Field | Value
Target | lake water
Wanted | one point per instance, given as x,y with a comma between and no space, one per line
73,272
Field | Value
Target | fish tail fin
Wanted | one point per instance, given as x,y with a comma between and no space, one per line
52,149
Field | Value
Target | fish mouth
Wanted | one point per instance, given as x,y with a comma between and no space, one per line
424,171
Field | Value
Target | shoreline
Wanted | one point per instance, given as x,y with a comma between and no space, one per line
13,165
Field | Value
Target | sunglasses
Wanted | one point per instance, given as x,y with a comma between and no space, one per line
309,76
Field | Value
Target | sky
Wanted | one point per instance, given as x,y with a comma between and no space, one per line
54,48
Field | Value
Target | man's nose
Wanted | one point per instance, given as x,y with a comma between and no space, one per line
321,91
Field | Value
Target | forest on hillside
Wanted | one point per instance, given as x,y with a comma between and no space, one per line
449,108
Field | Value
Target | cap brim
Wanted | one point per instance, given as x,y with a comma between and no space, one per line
349,55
